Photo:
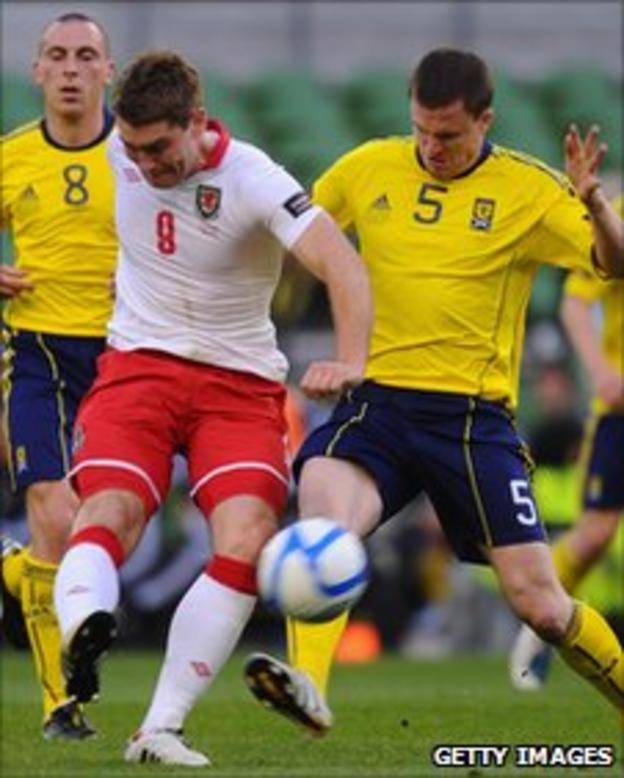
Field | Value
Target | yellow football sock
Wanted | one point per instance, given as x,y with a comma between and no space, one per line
43,630
12,569
567,566
311,647
591,648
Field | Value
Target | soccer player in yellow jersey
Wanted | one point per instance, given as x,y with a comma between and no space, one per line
578,550
452,229
57,200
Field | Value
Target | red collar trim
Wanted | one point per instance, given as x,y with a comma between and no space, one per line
221,146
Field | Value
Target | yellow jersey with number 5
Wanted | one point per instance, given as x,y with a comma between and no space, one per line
58,203
610,296
452,262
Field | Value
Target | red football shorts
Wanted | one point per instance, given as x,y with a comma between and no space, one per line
145,406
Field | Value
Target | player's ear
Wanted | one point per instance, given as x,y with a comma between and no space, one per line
111,72
198,120
487,119
35,72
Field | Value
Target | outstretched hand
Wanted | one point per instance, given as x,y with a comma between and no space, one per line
328,379
583,157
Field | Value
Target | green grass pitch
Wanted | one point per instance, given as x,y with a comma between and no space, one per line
389,716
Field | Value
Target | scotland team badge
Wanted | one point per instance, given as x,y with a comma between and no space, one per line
208,199
482,214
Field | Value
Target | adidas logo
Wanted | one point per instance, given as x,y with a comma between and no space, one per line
29,193
381,203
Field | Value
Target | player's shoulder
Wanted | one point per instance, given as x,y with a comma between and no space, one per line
243,152
377,150
532,171
245,163
21,137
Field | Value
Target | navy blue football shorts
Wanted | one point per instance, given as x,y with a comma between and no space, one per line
463,452
604,476
44,380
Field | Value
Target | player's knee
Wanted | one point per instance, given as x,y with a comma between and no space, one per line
119,510
354,501
51,508
547,614
241,527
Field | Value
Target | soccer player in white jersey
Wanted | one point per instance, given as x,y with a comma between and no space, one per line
193,366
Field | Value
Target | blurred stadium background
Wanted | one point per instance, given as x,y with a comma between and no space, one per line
308,81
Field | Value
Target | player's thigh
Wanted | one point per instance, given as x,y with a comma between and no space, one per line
237,443
241,525
342,490
476,473
128,429
39,410
353,467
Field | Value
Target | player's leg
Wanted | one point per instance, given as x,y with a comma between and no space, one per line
346,474
298,690
237,467
50,506
484,499
579,549
205,628
108,526
12,619
354,502
574,554
579,633
40,410
125,437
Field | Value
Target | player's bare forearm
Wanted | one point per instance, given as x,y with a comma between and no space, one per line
583,157
579,324
608,233
325,251
13,281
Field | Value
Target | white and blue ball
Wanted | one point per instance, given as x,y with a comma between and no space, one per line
313,570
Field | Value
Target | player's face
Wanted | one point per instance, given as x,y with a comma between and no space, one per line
449,138
73,68
165,153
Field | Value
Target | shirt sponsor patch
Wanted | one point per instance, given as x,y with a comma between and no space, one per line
297,204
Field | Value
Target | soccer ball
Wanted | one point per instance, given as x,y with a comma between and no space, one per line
313,570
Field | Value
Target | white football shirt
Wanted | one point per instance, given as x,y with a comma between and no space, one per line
199,262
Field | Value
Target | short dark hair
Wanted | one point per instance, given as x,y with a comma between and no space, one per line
157,86
446,75
74,16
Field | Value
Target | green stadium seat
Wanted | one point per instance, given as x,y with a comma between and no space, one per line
546,294
378,104
21,101
306,158
520,122
227,103
586,96
301,121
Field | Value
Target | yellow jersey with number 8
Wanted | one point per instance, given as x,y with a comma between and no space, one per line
58,203
452,262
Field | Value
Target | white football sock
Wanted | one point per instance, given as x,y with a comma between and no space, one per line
86,581
204,631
